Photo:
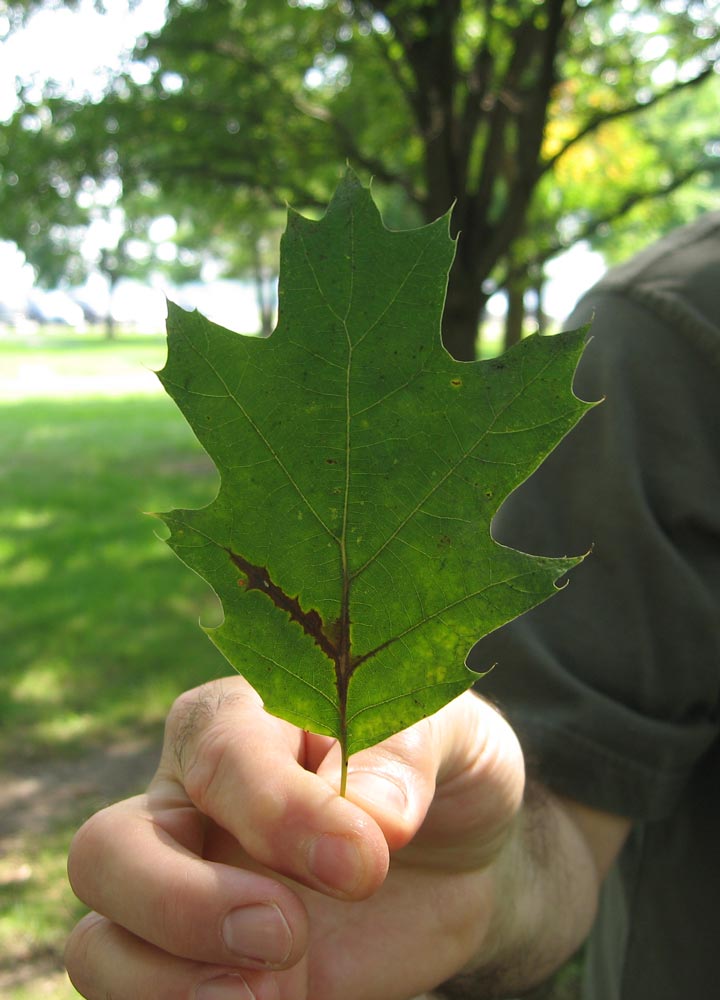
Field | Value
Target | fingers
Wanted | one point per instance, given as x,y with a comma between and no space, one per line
186,873
454,779
453,782
393,781
244,769
126,865
480,785
103,960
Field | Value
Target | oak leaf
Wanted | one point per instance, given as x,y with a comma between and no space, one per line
361,467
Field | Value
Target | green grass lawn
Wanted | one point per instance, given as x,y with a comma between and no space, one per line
57,365
98,619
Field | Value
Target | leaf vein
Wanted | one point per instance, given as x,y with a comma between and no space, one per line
452,468
258,431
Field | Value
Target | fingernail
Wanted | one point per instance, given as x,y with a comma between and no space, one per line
259,933
232,987
335,861
378,789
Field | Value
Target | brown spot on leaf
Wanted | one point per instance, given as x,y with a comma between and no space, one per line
258,578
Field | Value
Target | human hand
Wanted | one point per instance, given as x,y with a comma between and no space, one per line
242,874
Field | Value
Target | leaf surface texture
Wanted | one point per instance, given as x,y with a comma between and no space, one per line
360,469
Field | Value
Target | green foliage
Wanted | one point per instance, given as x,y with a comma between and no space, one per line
360,469
237,106
677,134
649,161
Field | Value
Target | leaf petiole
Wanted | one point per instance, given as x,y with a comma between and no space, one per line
343,771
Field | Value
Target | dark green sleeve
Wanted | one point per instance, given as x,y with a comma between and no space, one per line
614,684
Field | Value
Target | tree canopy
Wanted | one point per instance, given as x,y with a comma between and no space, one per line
541,122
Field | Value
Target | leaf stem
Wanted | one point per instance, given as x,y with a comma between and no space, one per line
343,769
343,736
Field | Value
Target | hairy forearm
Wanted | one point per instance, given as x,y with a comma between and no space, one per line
544,887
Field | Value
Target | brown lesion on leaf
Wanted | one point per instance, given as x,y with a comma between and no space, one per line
333,639
258,578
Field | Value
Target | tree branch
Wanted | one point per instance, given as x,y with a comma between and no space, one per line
530,117
478,86
426,33
630,109
592,226
380,42
320,113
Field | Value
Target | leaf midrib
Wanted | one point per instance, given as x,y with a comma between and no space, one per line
341,539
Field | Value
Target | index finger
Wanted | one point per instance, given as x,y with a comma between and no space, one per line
243,768
139,866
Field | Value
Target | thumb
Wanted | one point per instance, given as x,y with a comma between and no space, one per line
393,781
452,783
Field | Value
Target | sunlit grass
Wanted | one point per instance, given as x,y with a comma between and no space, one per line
98,620
36,909
62,367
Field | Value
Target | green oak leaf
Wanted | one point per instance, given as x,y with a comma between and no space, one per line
360,469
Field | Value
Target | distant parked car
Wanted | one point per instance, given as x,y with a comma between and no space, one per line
55,307
12,318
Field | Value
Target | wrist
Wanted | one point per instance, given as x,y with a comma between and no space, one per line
541,893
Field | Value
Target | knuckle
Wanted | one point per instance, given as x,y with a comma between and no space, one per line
84,853
203,765
183,718
191,715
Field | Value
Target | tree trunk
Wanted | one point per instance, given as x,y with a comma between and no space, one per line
464,304
541,317
263,296
110,327
461,320
264,304
515,319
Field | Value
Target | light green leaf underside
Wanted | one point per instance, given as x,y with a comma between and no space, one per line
360,469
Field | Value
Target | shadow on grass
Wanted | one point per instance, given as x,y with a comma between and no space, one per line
98,619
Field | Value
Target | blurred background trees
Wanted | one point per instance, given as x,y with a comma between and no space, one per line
543,123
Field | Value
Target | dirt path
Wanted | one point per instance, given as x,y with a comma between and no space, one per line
35,795
38,798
